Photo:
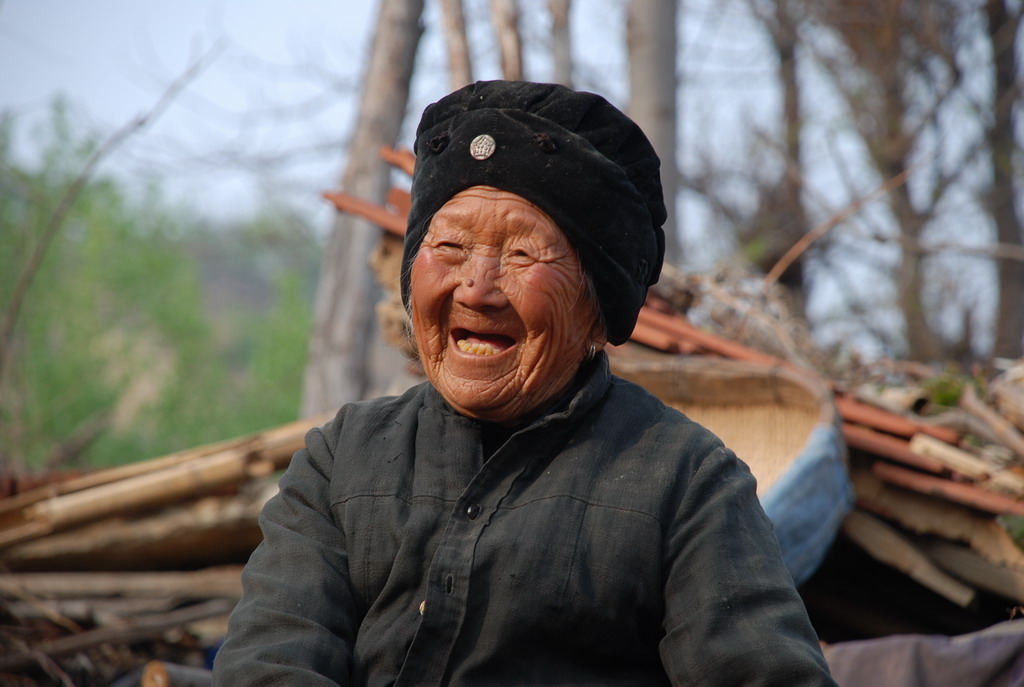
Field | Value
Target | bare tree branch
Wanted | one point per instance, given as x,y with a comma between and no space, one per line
828,225
996,251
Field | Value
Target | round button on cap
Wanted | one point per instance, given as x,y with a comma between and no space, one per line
482,147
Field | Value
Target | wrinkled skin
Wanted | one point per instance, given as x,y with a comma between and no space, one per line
496,273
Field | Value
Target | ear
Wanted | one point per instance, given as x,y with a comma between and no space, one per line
598,335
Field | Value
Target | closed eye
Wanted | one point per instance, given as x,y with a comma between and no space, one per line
519,255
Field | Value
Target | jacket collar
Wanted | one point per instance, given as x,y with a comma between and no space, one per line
587,389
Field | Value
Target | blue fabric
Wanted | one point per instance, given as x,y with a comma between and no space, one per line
808,503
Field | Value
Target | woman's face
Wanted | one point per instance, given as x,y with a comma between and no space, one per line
500,308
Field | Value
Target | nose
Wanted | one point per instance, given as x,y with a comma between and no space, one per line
479,284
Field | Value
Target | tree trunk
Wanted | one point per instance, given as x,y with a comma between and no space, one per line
1003,37
459,62
795,224
781,222
345,325
923,343
506,24
561,42
651,42
898,71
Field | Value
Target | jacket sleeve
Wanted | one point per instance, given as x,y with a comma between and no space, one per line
732,613
295,623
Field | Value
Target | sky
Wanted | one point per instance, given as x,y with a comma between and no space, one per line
269,114
281,80
268,66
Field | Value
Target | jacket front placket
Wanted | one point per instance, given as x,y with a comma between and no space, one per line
451,569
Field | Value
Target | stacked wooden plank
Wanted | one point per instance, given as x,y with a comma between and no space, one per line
928,502
145,554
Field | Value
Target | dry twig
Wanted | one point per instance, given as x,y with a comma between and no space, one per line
828,225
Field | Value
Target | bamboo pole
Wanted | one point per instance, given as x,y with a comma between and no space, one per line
159,482
986,475
219,582
1003,429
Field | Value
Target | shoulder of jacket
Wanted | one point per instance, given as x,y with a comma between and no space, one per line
371,415
632,403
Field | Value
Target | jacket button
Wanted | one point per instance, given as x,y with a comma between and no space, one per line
473,512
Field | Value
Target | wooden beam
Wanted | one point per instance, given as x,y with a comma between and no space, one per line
957,492
401,201
134,631
1000,426
403,158
987,476
888,446
888,546
861,413
681,329
222,582
167,480
1007,391
382,217
928,515
969,566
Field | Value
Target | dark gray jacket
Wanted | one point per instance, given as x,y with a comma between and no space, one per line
610,542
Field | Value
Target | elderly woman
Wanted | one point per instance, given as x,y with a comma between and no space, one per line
524,517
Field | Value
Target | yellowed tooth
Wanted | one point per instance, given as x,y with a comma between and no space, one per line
482,348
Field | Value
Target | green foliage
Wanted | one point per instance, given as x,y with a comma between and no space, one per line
755,249
167,331
945,388
1014,526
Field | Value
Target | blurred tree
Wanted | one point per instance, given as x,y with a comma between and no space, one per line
505,15
653,89
561,42
459,61
129,345
895,73
345,326
780,218
1003,23
894,93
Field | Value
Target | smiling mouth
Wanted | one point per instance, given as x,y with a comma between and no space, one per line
477,343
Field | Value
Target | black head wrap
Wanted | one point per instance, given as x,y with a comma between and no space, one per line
572,154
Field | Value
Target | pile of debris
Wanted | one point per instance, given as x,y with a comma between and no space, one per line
126,576
111,570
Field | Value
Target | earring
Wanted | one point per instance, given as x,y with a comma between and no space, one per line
592,352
